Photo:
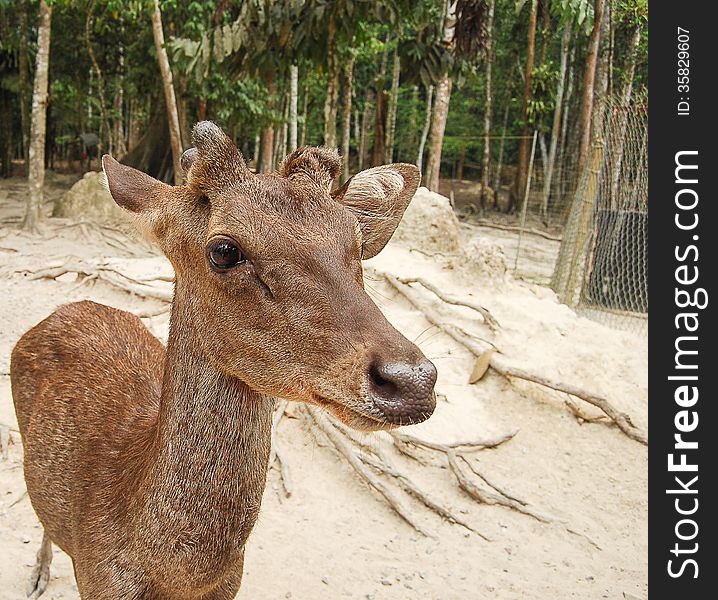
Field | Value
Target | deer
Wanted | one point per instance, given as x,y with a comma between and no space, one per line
147,465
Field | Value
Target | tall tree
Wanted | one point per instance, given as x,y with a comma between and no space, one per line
104,118
347,113
522,172
24,75
629,71
293,100
36,162
425,129
392,103
331,102
589,78
555,129
169,92
441,105
488,98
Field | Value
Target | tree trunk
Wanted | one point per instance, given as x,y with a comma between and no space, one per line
267,138
391,108
545,30
603,68
365,126
441,105
425,130
105,130
459,174
293,93
7,149
332,99
347,114
559,178
589,77
502,145
377,154
118,125
170,99
521,173
150,152
305,107
24,79
438,126
629,69
36,163
182,112
565,42
486,158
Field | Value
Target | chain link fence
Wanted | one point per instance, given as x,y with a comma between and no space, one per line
602,264
584,230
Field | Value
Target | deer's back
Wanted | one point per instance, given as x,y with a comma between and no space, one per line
86,383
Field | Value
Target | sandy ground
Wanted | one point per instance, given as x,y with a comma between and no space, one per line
334,538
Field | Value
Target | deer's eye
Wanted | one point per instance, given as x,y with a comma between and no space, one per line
223,253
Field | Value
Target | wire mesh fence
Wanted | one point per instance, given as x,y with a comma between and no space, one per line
583,230
602,263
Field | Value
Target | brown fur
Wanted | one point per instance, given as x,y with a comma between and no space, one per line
147,467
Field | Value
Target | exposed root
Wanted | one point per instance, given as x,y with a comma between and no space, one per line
489,319
486,494
144,288
621,420
543,234
276,454
375,466
346,449
4,442
581,415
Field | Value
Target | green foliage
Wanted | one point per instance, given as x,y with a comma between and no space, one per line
226,56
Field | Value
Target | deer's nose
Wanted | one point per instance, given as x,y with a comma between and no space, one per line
403,391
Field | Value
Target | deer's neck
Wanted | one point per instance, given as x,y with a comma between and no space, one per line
211,447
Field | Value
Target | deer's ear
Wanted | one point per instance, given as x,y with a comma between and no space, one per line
132,189
378,198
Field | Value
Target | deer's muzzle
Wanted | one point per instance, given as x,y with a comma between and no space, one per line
402,391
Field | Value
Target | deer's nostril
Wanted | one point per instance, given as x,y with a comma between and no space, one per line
382,382
403,391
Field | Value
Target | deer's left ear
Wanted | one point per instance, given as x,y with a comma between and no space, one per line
378,198
133,190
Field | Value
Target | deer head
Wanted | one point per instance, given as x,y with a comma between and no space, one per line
269,269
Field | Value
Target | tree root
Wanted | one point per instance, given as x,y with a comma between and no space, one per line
276,454
489,319
620,419
143,288
4,442
374,465
543,234
346,449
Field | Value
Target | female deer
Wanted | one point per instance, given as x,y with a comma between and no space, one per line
147,466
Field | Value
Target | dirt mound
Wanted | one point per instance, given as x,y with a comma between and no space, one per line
89,199
485,257
429,224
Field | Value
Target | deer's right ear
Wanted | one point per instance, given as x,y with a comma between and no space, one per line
132,189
